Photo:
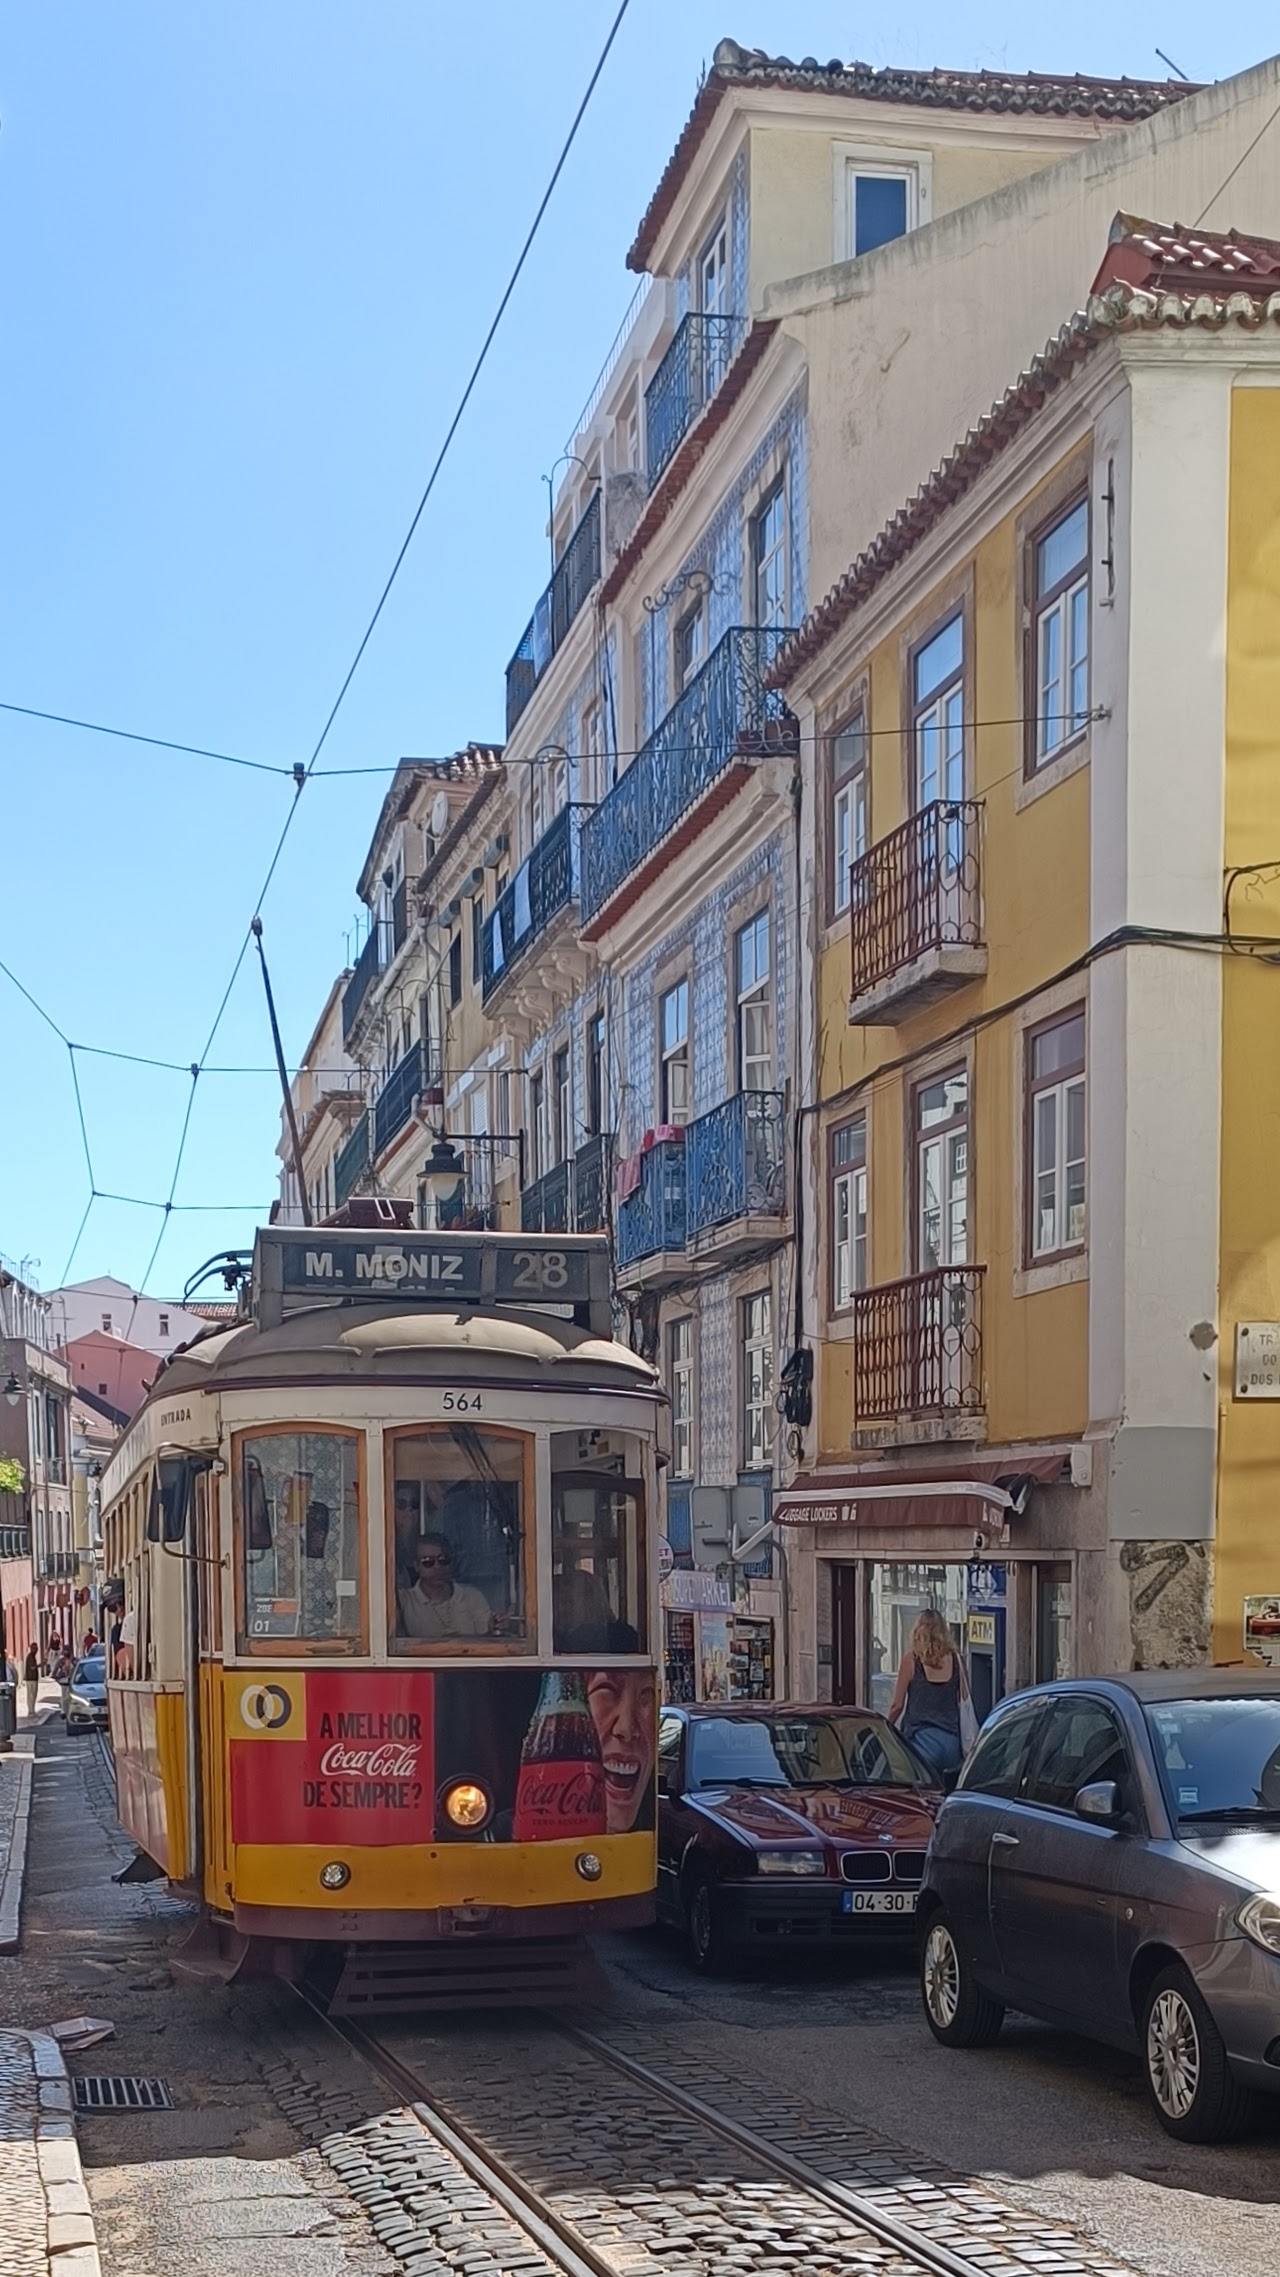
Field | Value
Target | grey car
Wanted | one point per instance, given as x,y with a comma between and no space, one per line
86,1696
1110,1861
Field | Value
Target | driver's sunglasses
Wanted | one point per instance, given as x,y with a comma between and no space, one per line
445,1560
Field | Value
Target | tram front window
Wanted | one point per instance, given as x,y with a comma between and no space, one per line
458,1499
597,1569
298,1496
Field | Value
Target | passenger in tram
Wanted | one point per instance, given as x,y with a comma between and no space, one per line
437,1604
583,1614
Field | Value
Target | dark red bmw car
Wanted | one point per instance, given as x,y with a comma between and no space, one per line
782,1825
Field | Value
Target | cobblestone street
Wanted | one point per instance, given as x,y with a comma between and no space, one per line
284,2153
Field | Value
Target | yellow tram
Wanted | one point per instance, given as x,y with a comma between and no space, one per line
385,1698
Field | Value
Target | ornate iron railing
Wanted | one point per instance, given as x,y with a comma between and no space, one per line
591,1184
15,1541
916,890
544,1206
918,1346
545,883
56,1565
475,1207
684,383
394,1103
724,712
577,570
735,1161
652,1219
351,1162
368,965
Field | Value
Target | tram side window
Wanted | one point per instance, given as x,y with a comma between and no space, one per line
298,1515
596,1544
458,1546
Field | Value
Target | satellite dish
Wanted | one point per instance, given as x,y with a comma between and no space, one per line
440,814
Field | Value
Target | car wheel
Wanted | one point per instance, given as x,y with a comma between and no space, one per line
710,1948
1189,2080
957,2010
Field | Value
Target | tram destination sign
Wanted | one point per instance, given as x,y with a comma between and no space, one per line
425,1268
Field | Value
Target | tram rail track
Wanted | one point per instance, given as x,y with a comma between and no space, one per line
731,2199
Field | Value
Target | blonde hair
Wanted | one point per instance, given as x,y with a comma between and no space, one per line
931,1639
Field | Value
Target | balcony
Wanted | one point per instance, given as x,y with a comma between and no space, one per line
684,383
56,1565
724,715
545,1206
577,570
591,1184
735,1174
540,889
395,1102
15,1541
652,1221
916,914
917,1358
475,1207
351,1162
368,965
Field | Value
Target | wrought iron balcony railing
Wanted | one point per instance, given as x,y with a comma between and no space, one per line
15,1541
577,570
685,381
916,890
652,1220
918,1346
546,883
545,1206
475,1207
591,1184
351,1162
56,1565
735,1161
368,965
725,712
394,1103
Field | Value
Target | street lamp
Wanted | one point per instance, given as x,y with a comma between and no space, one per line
440,1179
12,1389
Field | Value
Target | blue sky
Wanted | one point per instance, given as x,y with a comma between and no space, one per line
247,255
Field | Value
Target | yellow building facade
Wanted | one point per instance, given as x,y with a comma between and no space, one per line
1037,716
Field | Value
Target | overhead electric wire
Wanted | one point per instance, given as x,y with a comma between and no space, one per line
157,742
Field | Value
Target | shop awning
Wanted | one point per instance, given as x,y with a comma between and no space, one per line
981,1496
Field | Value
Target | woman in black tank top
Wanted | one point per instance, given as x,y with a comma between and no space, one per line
926,1699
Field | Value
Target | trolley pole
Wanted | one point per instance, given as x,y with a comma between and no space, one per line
287,1095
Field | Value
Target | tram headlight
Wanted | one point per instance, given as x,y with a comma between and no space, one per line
467,1805
335,1875
588,1865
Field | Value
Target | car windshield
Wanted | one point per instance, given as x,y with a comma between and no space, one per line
1220,1758
801,1751
89,1672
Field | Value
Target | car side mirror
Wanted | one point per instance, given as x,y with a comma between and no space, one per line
1100,1802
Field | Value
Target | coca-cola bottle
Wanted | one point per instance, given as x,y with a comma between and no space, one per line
560,1791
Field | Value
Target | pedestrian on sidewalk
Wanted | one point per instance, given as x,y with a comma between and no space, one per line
31,1679
932,1698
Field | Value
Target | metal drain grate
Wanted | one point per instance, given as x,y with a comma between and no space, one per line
122,2094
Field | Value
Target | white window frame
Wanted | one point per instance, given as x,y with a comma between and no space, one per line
938,735
776,493
849,1222
681,1382
1056,1092
852,158
690,635
715,258
850,814
561,1094
757,1363
753,992
676,1054
1055,731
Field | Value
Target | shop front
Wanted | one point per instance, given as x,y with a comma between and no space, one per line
713,1651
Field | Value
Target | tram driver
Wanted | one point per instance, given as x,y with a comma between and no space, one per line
437,1604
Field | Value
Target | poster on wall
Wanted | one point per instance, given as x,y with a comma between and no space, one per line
365,1757
713,1653
1262,1629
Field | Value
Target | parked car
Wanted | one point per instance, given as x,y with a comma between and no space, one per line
1110,1861
85,1708
787,1825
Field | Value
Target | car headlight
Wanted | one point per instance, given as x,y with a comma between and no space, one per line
1259,1917
790,1862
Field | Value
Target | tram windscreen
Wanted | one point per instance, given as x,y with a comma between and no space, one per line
300,1537
596,1536
458,1498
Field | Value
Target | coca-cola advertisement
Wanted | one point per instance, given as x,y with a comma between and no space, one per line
367,1756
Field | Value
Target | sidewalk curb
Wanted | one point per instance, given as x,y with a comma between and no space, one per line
72,2241
15,1868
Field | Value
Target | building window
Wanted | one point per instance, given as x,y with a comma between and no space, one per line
1056,1145
538,1124
690,646
757,1381
680,1387
713,271
848,1211
673,1028
595,1118
881,206
561,1107
106,1324
1061,633
849,818
769,558
455,969
755,1005
477,938
164,1324
937,717
942,1171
